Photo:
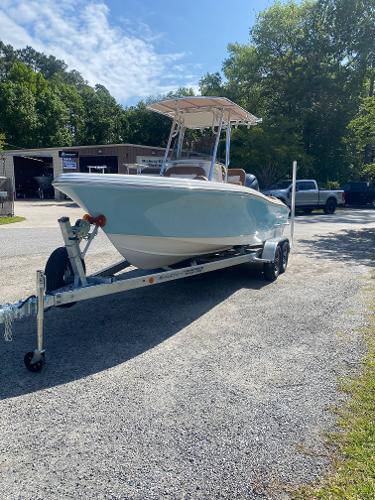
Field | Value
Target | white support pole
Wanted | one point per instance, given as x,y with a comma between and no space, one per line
171,135
227,150
293,202
214,153
180,142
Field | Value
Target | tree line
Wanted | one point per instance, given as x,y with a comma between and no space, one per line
308,70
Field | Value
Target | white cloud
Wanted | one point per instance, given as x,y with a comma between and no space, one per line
80,33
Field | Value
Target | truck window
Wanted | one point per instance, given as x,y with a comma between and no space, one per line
306,186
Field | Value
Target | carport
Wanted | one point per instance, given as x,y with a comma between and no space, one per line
33,176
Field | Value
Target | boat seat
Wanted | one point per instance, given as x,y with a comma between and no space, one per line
236,176
186,171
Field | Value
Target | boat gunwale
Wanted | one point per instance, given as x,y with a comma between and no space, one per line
140,182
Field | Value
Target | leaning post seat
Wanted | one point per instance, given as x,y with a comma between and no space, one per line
193,169
237,176
186,171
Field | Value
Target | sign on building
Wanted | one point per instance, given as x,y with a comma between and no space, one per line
69,160
150,161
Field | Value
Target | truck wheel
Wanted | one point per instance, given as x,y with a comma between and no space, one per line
330,206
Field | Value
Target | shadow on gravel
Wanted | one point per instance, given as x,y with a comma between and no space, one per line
98,334
351,246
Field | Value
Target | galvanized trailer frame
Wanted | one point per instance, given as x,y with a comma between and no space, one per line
105,282
273,255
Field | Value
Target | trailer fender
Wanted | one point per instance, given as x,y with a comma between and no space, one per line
270,246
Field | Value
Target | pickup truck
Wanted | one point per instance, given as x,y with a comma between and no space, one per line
308,195
359,193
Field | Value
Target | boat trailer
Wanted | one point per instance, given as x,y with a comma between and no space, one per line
64,281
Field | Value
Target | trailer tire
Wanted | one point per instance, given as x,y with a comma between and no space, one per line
285,249
271,270
330,206
59,272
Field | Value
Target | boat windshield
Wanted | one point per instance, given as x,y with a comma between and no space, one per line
281,185
195,144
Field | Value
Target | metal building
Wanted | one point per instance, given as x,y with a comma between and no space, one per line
33,170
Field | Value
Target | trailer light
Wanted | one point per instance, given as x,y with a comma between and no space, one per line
100,220
89,218
151,280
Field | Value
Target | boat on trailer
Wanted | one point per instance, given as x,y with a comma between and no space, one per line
194,218
196,205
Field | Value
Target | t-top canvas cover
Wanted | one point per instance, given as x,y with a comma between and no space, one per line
202,112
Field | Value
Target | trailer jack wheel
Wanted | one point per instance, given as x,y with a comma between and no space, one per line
59,272
34,361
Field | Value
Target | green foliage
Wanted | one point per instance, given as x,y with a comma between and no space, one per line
362,130
308,71
332,185
368,171
211,84
10,220
304,71
2,141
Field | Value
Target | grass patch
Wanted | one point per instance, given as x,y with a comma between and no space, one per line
10,220
353,475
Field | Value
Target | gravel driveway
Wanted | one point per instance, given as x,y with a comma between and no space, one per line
217,386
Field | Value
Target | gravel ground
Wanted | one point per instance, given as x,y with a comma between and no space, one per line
218,386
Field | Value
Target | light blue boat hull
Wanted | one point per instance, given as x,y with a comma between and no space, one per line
156,221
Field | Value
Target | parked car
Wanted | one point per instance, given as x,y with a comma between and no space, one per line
359,193
308,195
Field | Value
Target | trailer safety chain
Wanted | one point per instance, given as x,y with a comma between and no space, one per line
9,313
12,312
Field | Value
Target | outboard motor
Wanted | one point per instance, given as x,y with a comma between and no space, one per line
252,182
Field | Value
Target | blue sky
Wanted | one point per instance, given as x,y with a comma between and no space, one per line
135,48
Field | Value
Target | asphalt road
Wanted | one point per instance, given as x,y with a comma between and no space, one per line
218,386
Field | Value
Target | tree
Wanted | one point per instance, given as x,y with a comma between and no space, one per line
40,63
362,138
18,116
350,28
145,127
303,71
211,84
102,120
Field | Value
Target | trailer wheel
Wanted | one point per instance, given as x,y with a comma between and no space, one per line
330,206
59,272
285,249
271,270
37,365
